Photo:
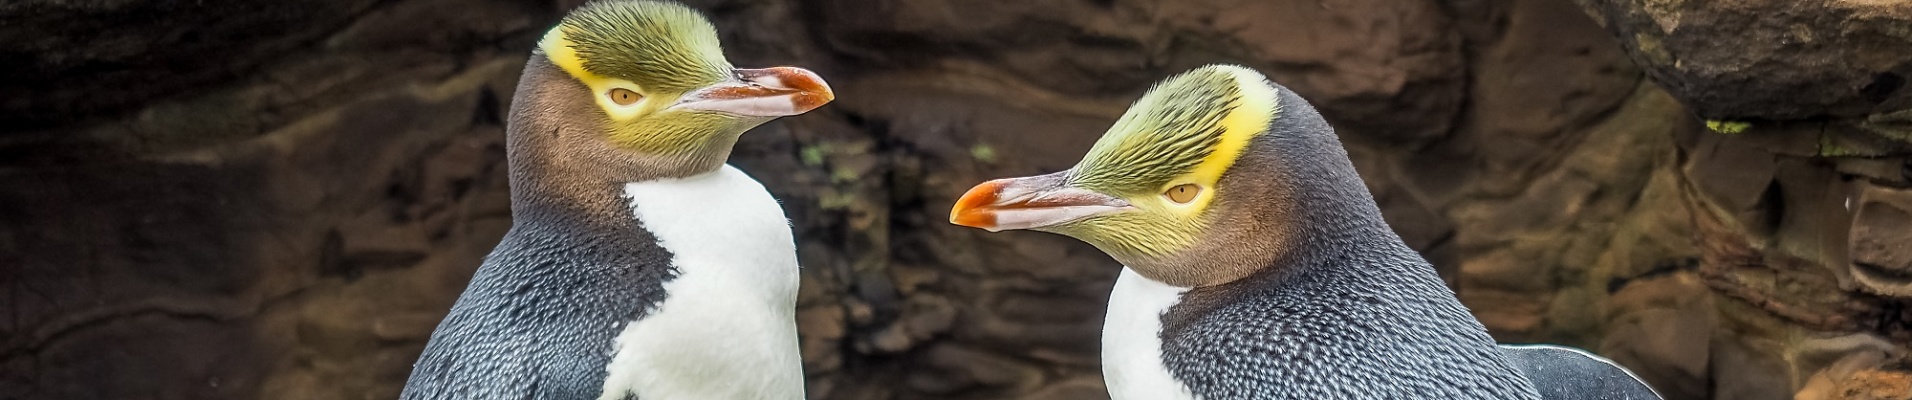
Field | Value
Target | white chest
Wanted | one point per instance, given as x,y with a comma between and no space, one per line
1132,342
727,329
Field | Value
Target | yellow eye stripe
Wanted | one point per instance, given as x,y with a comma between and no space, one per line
559,49
1254,110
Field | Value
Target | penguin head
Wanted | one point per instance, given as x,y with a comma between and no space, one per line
1176,190
658,84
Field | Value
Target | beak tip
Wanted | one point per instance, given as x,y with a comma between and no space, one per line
973,209
980,219
813,91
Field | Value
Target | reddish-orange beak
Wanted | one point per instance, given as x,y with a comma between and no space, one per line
768,92
976,209
1030,203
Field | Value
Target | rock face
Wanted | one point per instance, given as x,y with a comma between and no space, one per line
1797,213
1770,59
233,201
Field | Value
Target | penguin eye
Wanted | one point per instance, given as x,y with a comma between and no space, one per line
1183,193
624,97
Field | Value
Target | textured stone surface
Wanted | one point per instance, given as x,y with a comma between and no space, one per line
1881,241
1878,385
1770,59
288,216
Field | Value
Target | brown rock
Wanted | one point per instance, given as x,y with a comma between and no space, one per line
69,51
416,327
1662,328
973,367
1769,59
1086,388
1758,375
822,322
1878,385
1881,241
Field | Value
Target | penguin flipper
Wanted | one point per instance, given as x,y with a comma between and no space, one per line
1566,373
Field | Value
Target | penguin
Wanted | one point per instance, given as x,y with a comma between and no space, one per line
1256,264
638,264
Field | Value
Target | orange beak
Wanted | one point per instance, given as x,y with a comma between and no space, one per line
1030,203
977,207
769,92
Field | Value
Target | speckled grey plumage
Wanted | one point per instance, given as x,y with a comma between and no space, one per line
540,316
1561,373
1348,311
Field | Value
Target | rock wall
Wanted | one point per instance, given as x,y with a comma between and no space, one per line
224,200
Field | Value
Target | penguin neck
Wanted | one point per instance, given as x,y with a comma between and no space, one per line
1337,216
1333,215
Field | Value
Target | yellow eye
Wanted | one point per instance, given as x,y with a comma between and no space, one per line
624,97
1183,193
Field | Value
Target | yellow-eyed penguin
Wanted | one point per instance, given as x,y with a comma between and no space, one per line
1257,266
638,264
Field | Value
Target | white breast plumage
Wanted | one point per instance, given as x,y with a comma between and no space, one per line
1132,340
727,327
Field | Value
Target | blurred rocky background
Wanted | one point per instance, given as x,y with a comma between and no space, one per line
278,200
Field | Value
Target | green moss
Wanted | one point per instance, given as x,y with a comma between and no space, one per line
812,155
1895,125
1728,127
1903,135
844,174
982,152
835,200
1831,148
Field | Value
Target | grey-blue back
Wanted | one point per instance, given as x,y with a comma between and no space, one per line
1561,373
539,318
